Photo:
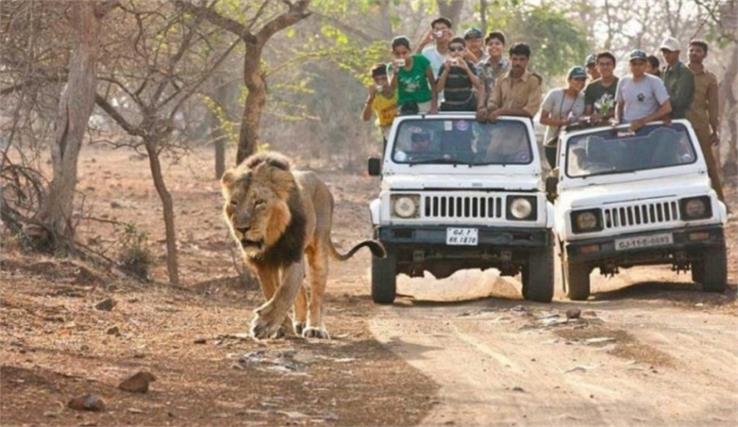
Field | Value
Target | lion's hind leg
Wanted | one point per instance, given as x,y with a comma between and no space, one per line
317,277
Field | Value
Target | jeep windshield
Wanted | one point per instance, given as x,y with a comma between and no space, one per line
461,142
613,151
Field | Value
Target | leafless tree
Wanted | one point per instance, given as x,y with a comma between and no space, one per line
152,73
75,106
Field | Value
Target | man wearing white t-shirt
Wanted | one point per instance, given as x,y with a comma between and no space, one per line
641,97
442,34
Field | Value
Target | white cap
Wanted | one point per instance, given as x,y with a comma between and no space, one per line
671,44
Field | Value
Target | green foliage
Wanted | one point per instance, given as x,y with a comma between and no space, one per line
229,127
556,41
135,256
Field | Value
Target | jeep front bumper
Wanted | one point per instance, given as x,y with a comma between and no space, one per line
402,237
687,243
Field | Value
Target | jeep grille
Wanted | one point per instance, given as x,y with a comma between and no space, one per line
641,214
463,207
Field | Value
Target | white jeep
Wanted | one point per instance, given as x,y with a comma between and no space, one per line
626,199
458,194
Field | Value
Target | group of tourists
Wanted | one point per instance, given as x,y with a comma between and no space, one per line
445,72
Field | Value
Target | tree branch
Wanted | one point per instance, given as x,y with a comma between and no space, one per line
115,115
295,13
217,19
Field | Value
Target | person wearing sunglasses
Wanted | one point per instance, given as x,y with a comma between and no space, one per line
561,107
457,77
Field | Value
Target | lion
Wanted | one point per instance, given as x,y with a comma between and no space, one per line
282,218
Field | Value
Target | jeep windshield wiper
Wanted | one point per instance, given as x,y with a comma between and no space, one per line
442,161
612,172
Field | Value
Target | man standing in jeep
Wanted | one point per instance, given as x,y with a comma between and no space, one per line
599,95
640,97
678,79
441,33
518,93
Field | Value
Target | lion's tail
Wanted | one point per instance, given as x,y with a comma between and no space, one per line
373,245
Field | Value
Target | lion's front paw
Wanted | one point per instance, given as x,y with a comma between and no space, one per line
263,328
313,332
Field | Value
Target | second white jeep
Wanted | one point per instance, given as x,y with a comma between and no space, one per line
626,199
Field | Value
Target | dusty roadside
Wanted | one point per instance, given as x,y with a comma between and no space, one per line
55,345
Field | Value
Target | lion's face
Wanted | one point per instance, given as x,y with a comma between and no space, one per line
256,205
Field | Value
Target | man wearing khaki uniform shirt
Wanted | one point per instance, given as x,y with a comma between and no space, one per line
517,93
704,112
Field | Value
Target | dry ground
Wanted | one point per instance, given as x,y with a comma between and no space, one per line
54,344
650,347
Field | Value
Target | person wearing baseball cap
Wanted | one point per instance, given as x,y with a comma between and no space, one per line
640,97
561,107
474,45
679,80
591,63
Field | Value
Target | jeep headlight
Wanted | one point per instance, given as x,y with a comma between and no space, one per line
405,205
521,208
695,208
586,221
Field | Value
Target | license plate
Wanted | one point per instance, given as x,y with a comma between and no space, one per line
462,236
644,241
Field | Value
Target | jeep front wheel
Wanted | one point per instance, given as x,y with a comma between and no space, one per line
577,280
384,279
538,276
712,270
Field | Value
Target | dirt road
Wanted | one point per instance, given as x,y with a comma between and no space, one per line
648,350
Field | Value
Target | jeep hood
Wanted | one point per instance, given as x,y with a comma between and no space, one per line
462,182
598,195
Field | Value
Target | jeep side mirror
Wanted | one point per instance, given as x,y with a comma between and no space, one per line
374,166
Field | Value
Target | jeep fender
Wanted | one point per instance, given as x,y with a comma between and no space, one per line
374,206
722,211
550,214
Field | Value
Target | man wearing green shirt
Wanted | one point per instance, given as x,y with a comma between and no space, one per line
679,80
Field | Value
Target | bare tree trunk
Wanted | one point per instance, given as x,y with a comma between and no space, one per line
385,19
220,138
483,15
75,106
220,151
451,9
168,209
253,77
730,167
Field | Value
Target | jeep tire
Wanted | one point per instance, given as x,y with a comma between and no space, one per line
577,280
538,276
711,271
384,279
